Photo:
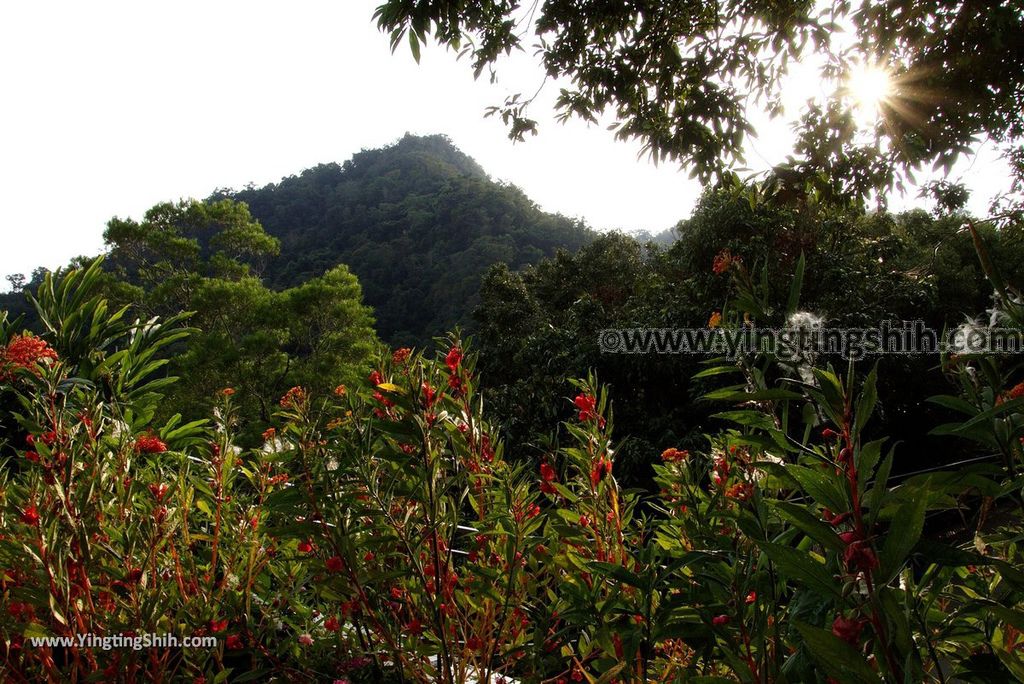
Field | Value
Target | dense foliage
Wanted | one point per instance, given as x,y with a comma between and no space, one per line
417,222
538,324
205,258
381,531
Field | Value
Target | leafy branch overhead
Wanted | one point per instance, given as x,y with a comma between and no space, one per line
685,77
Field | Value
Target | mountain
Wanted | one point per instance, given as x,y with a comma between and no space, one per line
418,222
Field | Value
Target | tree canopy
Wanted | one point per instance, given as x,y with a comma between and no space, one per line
683,77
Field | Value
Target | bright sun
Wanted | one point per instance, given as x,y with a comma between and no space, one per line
870,86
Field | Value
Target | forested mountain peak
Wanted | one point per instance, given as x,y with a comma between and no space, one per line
417,221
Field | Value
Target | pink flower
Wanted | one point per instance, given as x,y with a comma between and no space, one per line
720,620
305,639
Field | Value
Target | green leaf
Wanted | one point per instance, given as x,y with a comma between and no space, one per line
906,529
794,289
955,403
809,524
868,399
800,567
717,370
819,487
835,656
732,394
414,45
749,418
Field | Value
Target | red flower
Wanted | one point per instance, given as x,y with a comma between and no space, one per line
218,625
741,491
547,473
269,434
429,394
751,597
858,554
453,359
158,491
368,557
305,546
335,564
1016,392
150,444
584,521
547,476
673,455
30,516
587,406
228,391
331,624
414,627
723,260
720,620
829,433
601,467
32,456
26,352
235,642
847,629
474,643
293,398
376,378
400,356
835,519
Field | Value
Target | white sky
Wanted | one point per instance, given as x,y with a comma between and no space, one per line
108,107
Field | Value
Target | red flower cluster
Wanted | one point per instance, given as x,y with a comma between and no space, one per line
401,355
601,467
547,477
858,556
453,359
847,629
586,404
26,352
150,444
429,395
293,398
673,455
1015,392
741,491
30,516
335,564
723,260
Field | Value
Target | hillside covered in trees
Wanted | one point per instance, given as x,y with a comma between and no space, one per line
417,222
